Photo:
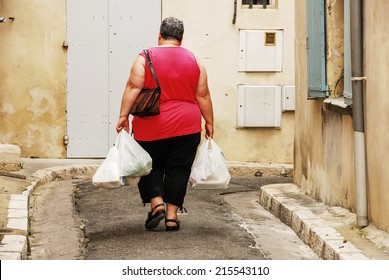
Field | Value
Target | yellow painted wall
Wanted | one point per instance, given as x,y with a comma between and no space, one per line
33,76
377,108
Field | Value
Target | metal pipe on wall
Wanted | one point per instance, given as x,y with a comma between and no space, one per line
235,9
356,32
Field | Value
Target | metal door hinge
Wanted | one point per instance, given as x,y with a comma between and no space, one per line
66,140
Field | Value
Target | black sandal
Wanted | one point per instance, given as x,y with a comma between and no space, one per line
172,228
153,220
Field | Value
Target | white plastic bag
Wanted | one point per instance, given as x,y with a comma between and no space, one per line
134,160
210,169
108,173
125,163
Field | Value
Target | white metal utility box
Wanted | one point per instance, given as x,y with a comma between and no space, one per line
288,98
260,50
259,106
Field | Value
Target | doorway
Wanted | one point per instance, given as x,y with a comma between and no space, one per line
103,37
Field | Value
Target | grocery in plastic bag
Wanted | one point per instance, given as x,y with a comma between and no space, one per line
210,169
125,163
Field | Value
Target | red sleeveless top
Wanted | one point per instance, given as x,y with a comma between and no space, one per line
178,74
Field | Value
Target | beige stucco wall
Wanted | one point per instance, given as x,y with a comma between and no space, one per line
377,108
209,32
324,147
33,76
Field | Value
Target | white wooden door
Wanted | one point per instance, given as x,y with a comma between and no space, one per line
104,37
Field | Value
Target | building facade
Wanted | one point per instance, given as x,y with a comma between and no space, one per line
329,164
65,64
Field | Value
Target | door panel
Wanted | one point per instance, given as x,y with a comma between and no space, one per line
134,26
87,80
104,38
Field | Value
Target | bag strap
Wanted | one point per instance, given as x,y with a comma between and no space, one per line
151,67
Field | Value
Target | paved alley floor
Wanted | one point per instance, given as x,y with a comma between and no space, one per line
109,224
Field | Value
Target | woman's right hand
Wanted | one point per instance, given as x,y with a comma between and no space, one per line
209,130
122,123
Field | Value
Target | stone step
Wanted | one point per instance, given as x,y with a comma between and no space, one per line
10,157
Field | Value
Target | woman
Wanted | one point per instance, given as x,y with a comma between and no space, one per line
172,137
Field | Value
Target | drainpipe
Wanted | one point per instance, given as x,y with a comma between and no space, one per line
235,8
356,31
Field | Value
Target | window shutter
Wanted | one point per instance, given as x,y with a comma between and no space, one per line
316,49
347,93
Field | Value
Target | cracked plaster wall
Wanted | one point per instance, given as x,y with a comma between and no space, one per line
32,77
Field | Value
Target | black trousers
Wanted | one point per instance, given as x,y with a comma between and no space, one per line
172,163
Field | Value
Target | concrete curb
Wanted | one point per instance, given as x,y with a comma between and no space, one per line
14,247
324,240
10,157
252,169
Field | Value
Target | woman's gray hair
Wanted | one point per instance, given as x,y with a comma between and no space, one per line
172,29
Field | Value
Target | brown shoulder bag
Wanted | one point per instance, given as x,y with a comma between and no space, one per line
147,102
